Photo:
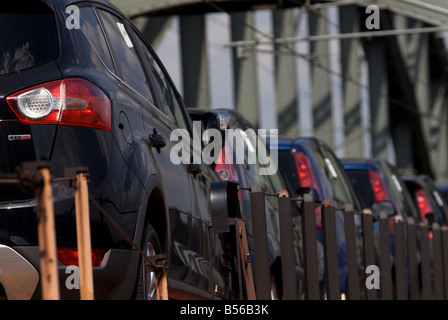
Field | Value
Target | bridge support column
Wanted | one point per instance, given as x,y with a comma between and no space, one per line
350,64
379,103
193,43
321,79
244,68
285,74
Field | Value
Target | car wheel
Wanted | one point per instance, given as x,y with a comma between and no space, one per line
274,288
146,283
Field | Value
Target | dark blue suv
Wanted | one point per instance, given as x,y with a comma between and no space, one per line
310,164
378,182
81,87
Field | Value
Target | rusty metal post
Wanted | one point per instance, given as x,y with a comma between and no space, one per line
437,261
47,237
400,260
414,287
445,260
426,293
353,289
369,247
83,236
330,252
310,248
162,282
287,249
246,264
385,256
260,241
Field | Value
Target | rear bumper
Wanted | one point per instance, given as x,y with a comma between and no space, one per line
18,277
114,279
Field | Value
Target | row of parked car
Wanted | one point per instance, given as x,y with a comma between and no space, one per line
94,94
375,184
308,164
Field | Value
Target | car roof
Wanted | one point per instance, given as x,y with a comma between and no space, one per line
104,2
97,2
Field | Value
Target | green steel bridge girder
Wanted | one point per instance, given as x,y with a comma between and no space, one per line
434,12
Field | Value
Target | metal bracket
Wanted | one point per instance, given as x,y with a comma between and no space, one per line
27,174
157,262
70,175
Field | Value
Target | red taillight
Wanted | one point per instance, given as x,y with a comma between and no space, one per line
423,204
225,170
73,102
307,179
69,256
378,187
305,172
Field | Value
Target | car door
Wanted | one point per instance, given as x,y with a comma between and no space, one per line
156,125
187,184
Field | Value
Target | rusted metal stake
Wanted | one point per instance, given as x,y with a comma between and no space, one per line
369,247
330,251
83,236
260,240
353,288
287,248
246,264
386,289
162,284
47,238
310,266
401,277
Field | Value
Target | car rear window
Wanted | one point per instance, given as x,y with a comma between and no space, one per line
361,180
28,36
399,192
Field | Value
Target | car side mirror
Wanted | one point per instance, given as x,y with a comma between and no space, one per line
224,203
379,206
210,120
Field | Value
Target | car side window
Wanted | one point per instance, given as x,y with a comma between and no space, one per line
163,86
126,58
92,30
242,145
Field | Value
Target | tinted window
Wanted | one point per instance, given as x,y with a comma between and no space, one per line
286,162
291,160
333,177
242,145
163,86
361,180
27,36
126,58
399,192
93,32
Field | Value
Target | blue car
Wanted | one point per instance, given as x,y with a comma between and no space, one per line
378,181
430,203
248,171
309,163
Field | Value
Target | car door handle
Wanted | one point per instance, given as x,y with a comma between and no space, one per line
157,141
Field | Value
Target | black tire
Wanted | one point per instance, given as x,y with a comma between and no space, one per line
146,281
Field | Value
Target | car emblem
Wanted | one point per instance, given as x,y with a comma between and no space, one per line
17,137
